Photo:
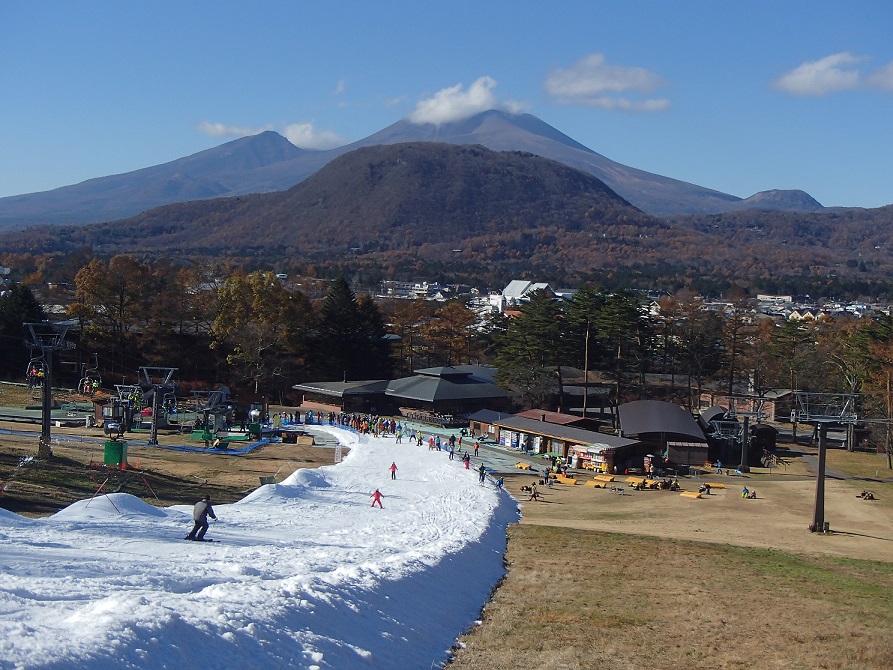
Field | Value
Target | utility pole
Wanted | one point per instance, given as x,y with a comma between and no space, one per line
48,338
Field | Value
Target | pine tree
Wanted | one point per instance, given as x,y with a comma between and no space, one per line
18,306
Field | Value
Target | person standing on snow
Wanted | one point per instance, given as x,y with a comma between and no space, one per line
483,473
393,470
376,498
200,514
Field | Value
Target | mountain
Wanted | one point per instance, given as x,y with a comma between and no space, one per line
268,162
402,210
221,171
787,201
394,197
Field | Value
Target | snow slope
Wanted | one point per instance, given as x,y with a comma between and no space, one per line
305,574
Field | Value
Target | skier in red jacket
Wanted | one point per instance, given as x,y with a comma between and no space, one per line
376,498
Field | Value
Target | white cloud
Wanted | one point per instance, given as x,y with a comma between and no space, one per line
223,130
302,135
594,82
339,87
882,78
454,103
305,136
837,72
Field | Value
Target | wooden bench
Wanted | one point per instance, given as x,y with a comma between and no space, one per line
523,466
690,494
268,480
632,481
561,479
604,478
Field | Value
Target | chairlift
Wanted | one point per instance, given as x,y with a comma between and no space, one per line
35,372
90,381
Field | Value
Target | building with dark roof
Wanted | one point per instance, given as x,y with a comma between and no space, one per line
668,429
600,450
448,390
451,390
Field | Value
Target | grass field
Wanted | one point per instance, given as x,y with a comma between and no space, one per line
580,599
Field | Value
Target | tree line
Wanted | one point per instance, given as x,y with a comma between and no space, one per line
259,333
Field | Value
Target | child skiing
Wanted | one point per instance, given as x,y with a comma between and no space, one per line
376,498
393,470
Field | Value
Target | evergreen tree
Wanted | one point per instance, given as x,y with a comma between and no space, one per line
532,350
18,306
350,342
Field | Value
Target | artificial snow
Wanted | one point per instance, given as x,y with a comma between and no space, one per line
302,574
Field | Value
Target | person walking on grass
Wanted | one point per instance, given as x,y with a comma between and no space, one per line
393,470
376,498
200,514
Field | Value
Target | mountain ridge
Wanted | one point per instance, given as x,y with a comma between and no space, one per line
269,162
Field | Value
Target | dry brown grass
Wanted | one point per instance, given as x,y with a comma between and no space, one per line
583,599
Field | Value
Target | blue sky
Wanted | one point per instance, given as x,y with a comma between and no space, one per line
736,96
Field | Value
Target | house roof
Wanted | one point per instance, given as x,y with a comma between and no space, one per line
569,433
550,417
488,416
449,385
520,288
654,416
342,389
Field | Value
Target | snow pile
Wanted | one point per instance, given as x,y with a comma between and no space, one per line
305,573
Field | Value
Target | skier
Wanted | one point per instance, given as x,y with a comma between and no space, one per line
200,514
393,470
376,498
483,473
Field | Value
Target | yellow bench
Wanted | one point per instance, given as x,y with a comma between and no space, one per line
523,466
690,494
561,479
635,480
604,478
718,485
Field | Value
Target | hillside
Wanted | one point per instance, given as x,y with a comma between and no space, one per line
402,198
403,210
268,162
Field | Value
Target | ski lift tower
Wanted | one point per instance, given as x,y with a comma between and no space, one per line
47,337
158,379
822,410
756,403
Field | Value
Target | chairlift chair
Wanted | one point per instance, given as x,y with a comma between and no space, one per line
90,381
35,372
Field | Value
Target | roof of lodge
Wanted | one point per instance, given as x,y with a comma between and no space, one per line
569,433
341,389
655,416
552,417
434,389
